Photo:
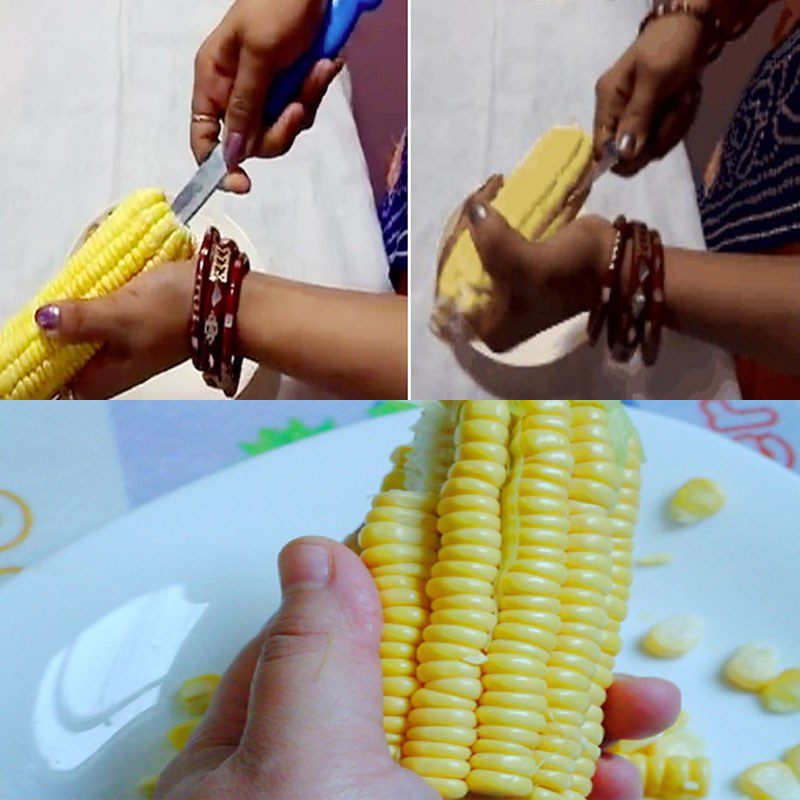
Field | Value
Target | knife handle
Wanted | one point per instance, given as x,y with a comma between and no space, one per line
339,22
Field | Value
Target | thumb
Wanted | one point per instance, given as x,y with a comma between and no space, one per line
636,122
75,321
503,251
316,695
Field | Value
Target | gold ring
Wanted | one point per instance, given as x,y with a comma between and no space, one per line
205,118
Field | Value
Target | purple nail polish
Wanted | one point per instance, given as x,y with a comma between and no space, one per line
234,149
626,144
48,318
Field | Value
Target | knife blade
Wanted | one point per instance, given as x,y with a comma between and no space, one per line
201,186
607,160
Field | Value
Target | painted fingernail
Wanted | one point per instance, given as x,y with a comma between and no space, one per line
304,566
234,149
477,212
48,318
626,144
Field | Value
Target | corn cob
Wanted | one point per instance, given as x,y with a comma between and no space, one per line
142,232
514,574
536,200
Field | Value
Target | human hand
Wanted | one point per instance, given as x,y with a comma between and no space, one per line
298,714
234,69
537,284
648,99
143,327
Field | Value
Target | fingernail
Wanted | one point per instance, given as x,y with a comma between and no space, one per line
234,149
304,566
338,63
626,144
48,318
477,212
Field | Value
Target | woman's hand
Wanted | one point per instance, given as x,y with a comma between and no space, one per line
298,714
144,328
648,100
234,70
537,284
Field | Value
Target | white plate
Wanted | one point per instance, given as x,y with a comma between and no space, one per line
96,639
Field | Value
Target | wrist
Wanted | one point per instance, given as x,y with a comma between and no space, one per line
602,237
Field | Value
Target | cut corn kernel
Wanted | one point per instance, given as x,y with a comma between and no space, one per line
782,694
179,735
196,693
674,636
624,747
772,780
695,500
147,787
655,560
679,743
141,233
511,530
673,777
792,759
752,667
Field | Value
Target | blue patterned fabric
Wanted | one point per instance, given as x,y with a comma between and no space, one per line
393,215
754,202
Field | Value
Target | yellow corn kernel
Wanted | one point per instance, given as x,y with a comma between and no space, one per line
655,560
626,747
782,694
674,636
752,667
179,734
679,743
147,786
771,780
141,233
695,500
673,777
792,759
196,693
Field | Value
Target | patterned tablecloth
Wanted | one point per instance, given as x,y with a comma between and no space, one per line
68,468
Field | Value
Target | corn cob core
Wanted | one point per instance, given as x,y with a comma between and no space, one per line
504,576
533,199
141,233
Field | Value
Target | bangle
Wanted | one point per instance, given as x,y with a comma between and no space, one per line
201,273
231,361
624,333
712,25
656,300
213,310
599,313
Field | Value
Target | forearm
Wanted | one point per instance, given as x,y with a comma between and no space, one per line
748,304
345,342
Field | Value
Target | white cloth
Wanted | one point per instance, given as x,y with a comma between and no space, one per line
487,78
96,98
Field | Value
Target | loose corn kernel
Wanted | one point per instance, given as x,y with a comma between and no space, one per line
782,694
196,693
147,787
679,743
772,780
674,636
752,667
655,560
625,747
792,758
179,735
695,500
673,777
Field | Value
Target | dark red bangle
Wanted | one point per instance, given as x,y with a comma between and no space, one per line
201,274
231,359
624,333
223,258
656,301
599,313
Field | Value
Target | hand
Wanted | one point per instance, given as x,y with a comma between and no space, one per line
143,327
298,714
234,70
537,284
648,100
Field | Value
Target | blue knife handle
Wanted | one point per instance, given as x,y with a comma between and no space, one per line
339,22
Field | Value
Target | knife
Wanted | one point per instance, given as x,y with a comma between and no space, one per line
337,26
607,160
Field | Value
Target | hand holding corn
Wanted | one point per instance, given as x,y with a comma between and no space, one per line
299,712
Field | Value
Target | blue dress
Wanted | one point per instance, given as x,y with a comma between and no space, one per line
393,214
754,202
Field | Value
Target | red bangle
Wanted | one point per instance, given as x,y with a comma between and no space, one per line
599,313
624,334
223,258
231,363
201,273
656,301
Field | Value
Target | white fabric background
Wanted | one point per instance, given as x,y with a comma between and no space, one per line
96,98
487,78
